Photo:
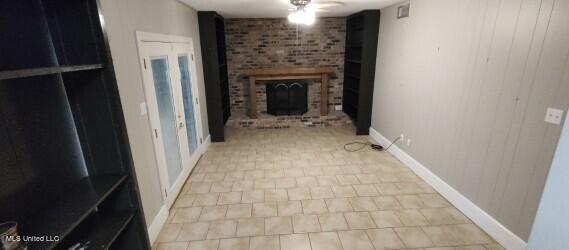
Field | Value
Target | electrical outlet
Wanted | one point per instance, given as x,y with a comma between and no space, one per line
338,107
408,142
554,116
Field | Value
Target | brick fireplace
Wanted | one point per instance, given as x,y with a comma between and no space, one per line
273,42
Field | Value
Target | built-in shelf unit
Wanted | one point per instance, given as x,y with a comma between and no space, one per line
359,67
214,54
66,169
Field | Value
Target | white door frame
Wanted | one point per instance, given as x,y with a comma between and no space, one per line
148,37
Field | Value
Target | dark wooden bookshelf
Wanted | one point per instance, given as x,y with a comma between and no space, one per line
214,55
67,170
359,70
12,74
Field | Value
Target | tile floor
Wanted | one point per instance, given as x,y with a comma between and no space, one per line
299,189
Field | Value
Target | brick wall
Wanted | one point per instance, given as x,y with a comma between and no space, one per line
273,42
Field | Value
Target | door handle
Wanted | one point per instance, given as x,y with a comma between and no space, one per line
181,125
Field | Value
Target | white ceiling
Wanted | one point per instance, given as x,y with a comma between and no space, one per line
279,8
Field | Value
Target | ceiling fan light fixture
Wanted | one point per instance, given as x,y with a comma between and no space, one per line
302,16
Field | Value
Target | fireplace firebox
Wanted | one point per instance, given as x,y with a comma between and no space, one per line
287,98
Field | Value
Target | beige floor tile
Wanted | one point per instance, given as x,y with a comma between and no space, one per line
275,195
254,174
314,207
359,220
385,239
238,211
385,219
234,244
355,240
293,172
255,196
332,222
278,225
184,201
239,186
251,227
365,190
204,245
444,216
313,171
327,180
295,242
362,204
193,231
265,243
411,217
274,173
288,208
339,205
324,192
184,215
387,203
347,179
213,213
169,233
297,194
388,189
325,241
307,181
199,188
367,178
306,170
267,209
469,234
410,201
305,223
441,236
413,237
229,198
264,184
344,191
222,229
173,246
281,183
409,188
434,200
221,187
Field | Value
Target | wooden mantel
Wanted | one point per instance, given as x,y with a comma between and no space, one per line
271,74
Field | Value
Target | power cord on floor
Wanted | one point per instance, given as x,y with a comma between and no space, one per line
376,147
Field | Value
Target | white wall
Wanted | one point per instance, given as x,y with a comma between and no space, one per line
551,230
122,19
468,81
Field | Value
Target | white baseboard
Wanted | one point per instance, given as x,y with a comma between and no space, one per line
206,144
490,225
157,224
160,219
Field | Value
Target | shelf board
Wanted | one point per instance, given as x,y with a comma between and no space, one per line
352,76
61,217
353,61
105,231
81,67
352,90
21,73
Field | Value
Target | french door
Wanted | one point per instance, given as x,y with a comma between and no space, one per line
173,110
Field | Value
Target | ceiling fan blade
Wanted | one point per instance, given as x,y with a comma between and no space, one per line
326,4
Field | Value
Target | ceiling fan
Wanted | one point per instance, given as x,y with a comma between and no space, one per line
303,11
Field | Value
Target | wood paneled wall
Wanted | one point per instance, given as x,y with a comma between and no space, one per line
469,82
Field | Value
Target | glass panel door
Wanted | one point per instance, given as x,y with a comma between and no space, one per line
185,81
167,116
